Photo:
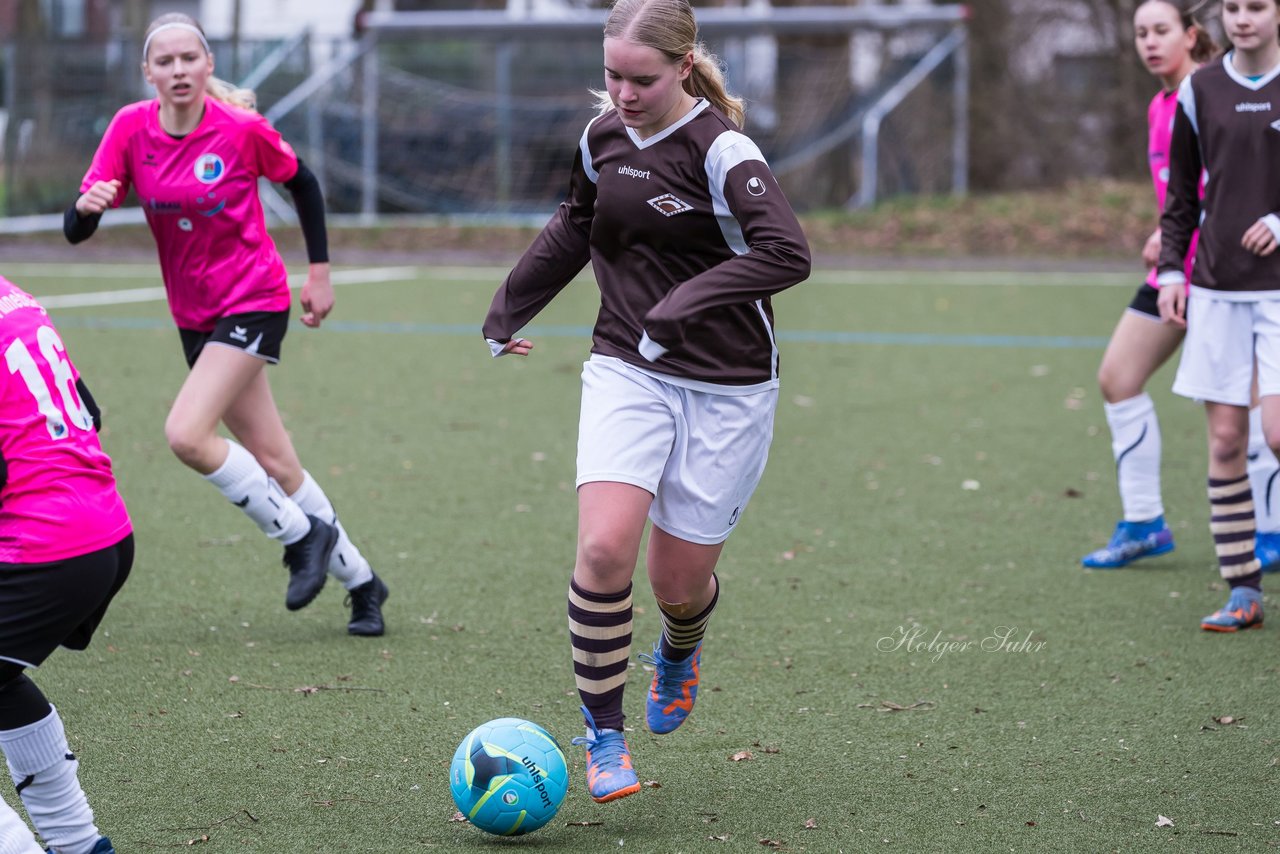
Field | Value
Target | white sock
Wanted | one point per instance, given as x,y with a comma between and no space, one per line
244,482
44,770
1263,469
15,836
1135,443
346,563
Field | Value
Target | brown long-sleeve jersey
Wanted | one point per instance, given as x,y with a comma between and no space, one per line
1229,126
688,234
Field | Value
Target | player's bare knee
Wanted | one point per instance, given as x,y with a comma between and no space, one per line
604,558
1115,384
189,446
1227,446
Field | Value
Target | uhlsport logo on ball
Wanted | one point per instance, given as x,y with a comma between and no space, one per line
508,777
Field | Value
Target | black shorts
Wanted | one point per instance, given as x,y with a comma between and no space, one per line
1145,300
47,605
258,333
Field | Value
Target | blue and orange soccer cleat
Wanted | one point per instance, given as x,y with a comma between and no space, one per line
1242,611
672,692
1132,541
609,772
1266,547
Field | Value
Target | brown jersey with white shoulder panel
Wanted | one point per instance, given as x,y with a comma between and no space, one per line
688,234
1228,126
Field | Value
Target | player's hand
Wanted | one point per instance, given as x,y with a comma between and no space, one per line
317,296
97,198
1259,240
1151,250
517,347
1173,304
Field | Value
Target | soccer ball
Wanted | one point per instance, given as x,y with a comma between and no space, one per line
508,777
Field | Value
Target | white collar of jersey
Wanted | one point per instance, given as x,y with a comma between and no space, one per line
1230,66
701,105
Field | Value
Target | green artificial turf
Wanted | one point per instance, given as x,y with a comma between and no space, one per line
941,462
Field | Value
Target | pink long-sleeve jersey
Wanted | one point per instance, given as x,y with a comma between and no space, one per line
200,194
59,498
1160,116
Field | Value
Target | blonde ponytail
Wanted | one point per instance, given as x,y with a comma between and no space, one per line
707,81
229,93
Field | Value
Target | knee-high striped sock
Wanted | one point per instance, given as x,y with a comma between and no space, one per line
600,633
681,635
1232,524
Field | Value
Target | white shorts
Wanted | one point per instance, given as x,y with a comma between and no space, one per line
1223,337
701,454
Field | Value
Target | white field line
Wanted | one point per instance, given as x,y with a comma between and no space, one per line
899,278
120,297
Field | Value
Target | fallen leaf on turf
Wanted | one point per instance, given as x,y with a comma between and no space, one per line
651,784
724,837
1162,821
741,755
1227,720
810,823
772,843
204,837
890,706
458,816
1072,493
583,823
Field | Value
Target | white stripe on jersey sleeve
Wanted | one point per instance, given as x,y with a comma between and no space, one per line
1187,100
592,173
729,149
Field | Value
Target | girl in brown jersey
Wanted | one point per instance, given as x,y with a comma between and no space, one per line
688,235
1228,126
1171,43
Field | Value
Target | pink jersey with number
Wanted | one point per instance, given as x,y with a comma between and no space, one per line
59,498
200,194
1160,115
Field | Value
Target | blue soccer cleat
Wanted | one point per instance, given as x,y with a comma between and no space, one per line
1266,548
102,846
672,692
609,772
1132,541
1242,611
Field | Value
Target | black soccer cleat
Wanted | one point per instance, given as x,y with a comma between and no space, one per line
366,608
308,563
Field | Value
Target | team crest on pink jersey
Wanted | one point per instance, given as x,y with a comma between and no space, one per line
209,168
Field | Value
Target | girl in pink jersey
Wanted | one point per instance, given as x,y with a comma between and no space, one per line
66,548
688,235
1171,44
194,155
